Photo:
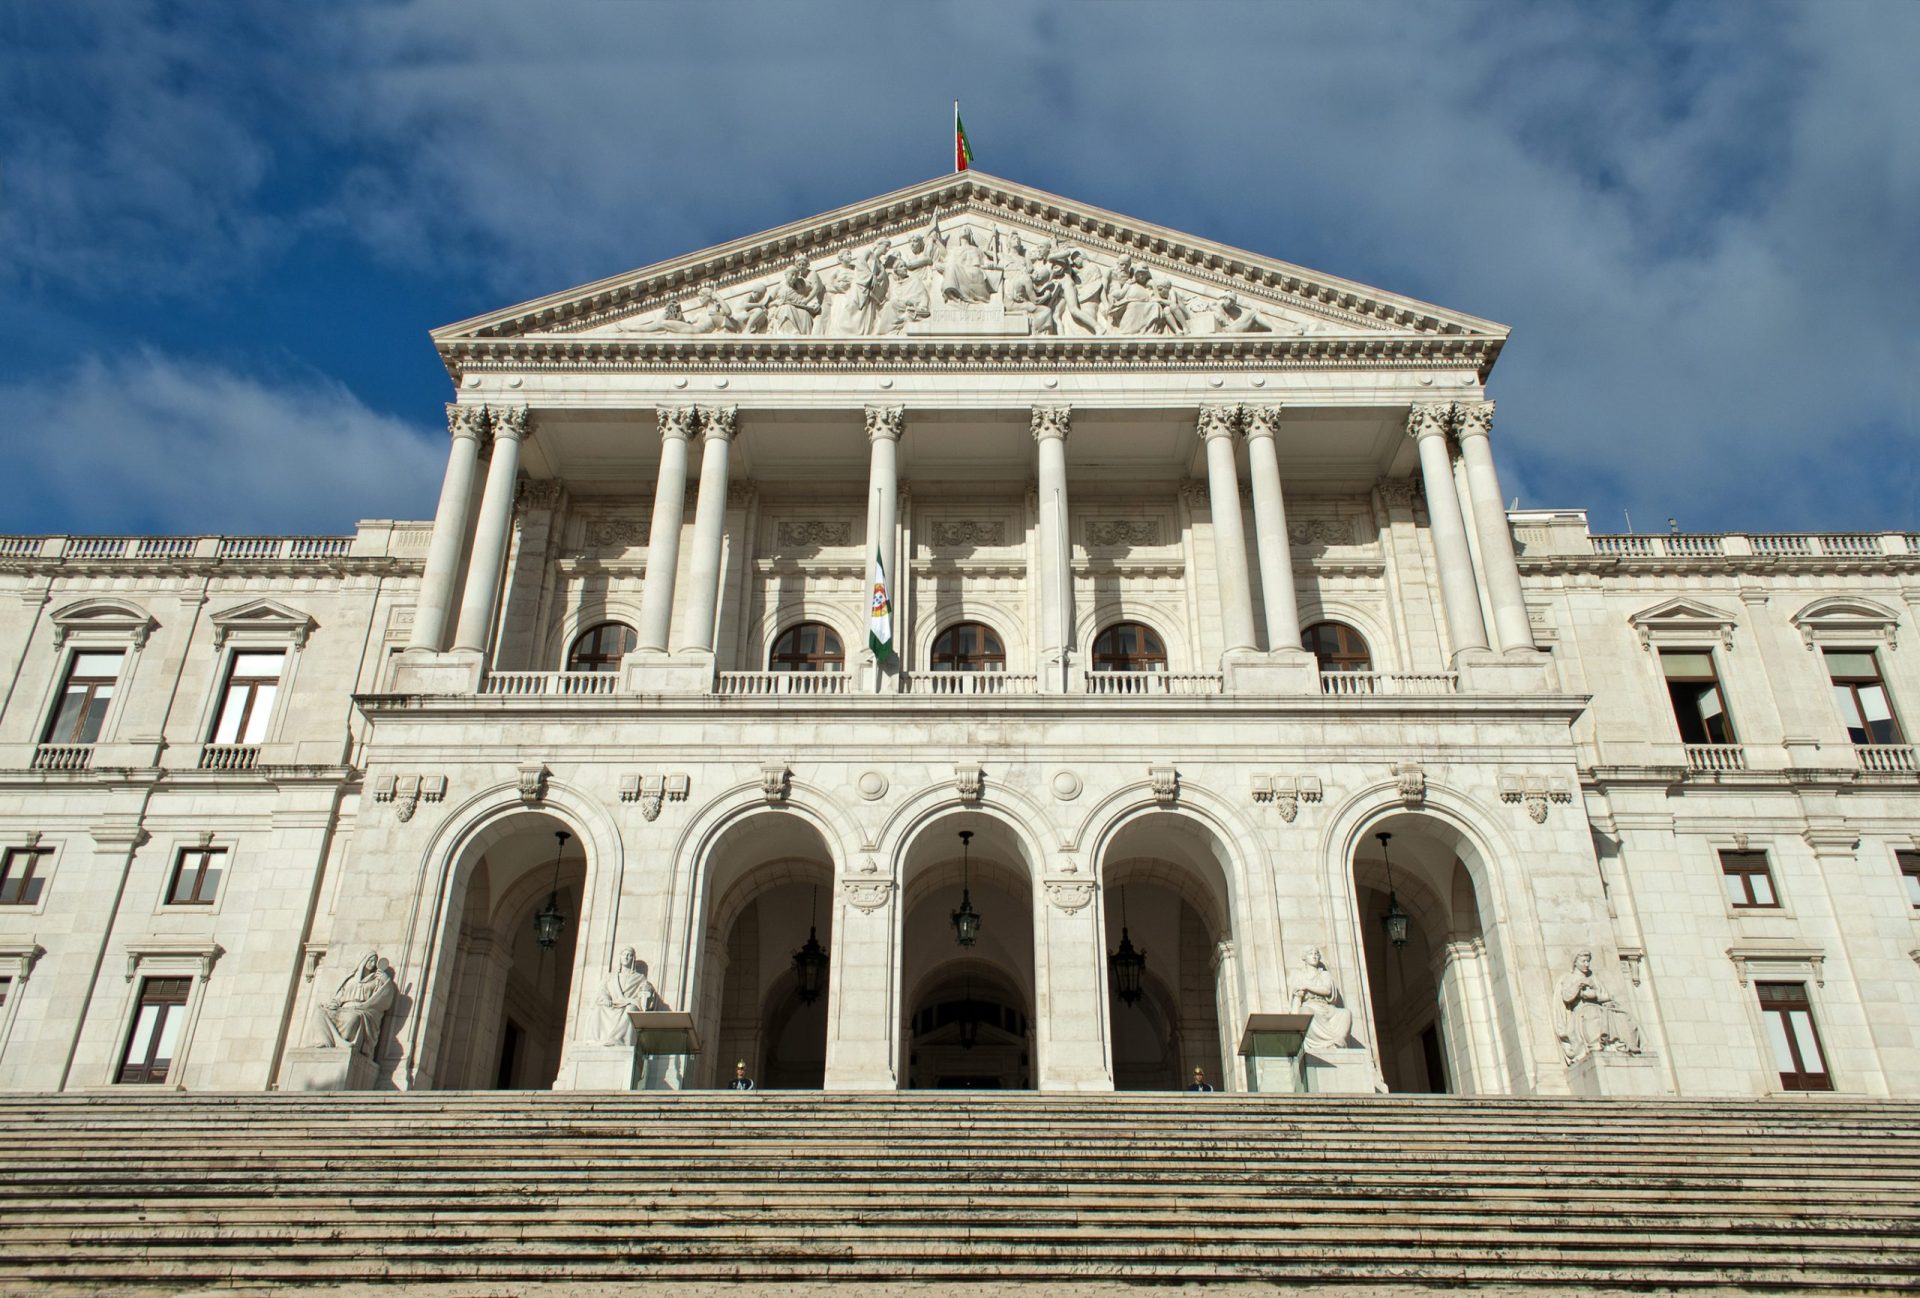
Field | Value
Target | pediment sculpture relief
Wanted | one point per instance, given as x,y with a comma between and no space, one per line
967,279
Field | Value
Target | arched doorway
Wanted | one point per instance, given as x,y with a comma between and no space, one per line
1166,886
967,1010
769,886
506,1006
1435,1026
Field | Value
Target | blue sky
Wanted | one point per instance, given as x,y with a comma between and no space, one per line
226,230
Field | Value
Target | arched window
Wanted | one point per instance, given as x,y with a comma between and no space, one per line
1129,647
1338,646
969,647
600,648
809,647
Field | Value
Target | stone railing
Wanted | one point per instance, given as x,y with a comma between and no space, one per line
969,683
1888,758
229,757
1354,684
1716,757
62,757
373,540
763,684
1134,684
549,684
1550,533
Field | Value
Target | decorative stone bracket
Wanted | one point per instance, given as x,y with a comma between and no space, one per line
1412,782
175,955
1534,792
1287,792
1632,958
407,792
1166,784
1787,959
652,790
968,780
774,779
533,782
311,955
17,959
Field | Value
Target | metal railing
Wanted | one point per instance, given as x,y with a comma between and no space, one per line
1133,684
1716,757
970,683
62,757
1892,758
768,684
549,684
1354,684
229,757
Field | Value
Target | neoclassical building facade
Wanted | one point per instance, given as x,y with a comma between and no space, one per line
1203,633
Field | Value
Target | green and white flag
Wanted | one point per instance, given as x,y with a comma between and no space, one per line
880,615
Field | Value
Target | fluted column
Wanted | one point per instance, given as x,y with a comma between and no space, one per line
709,530
884,426
1229,536
467,425
1475,421
1427,424
677,426
1282,606
491,531
1051,424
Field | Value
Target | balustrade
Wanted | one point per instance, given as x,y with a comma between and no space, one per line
1183,684
764,684
549,684
971,683
1716,757
1890,758
229,757
62,757
1354,684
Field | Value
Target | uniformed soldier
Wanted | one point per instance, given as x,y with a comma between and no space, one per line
741,1082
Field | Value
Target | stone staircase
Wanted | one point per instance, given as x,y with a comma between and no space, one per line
104,1192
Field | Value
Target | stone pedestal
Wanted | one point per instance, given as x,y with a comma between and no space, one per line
1284,671
1522,671
1346,1071
327,1068
1613,1074
422,671
686,672
1273,1074
598,1068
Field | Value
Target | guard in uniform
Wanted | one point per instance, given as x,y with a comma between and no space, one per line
1199,1082
741,1082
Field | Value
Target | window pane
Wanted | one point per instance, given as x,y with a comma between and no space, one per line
256,731
233,708
1802,1024
143,1033
171,1016
1850,713
1762,886
1736,888
1782,1049
258,665
1686,664
96,665
1912,878
1873,702
1840,664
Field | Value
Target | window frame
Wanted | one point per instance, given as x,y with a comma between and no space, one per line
192,959
571,662
229,678
835,662
1908,865
1155,662
169,1008
1800,1079
1852,685
39,869
992,663
1713,679
206,852
16,967
64,678
1332,662
258,626
1739,863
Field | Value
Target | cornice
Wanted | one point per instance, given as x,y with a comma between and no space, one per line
1880,565
370,566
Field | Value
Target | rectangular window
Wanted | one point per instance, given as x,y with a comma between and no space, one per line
196,876
156,1030
1695,691
22,875
1795,1040
1749,881
82,705
252,681
6,986
1910,875
1862,697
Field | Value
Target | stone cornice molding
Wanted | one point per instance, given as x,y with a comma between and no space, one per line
1052,421
677,422
886,423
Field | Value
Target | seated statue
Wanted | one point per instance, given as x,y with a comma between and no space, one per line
353,1015
622,991
1316,994
1586,1019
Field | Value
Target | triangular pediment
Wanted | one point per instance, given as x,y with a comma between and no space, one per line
262,618
972,258
1682,619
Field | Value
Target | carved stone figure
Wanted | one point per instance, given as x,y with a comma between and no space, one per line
970,275
1586,1019
789,307
851,290
623,990
352,1016
1231,317
1316,994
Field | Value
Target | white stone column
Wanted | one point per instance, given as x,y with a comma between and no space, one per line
884,426
1427,424
677,426
863,987
1490,518
709,531
1216,427
1051,424
1071,1016
467,425
1270,530
490,532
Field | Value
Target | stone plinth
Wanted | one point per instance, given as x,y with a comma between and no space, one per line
1284,671
657,673
1523,671
1608,1073
1273,1074
1346,1071
327,1068
419,671
598,1068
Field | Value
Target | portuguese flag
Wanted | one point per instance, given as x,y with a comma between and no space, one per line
962,151
880,613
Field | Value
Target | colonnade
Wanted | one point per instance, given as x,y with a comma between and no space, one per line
469,546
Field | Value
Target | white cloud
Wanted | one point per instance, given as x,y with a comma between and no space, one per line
151,443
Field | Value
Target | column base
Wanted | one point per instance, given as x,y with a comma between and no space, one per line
1524,671
1609,1073
690,671
1344,1071
1283,671
428,671
327,1068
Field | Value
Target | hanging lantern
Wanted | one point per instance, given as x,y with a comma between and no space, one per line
810,961
1395,920
550,922
966,920
1124,963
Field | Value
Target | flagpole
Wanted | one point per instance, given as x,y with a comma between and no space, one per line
956,136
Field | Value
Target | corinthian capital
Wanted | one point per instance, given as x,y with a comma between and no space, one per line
510,422
1218,421
1475,418
467,421
1262,421
677,422
1052,421
1429,419
886,422
719,421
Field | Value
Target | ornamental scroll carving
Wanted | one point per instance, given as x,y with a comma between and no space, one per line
812,533
615,533
1320,531
1122,532
868,894
968,532
1069,895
